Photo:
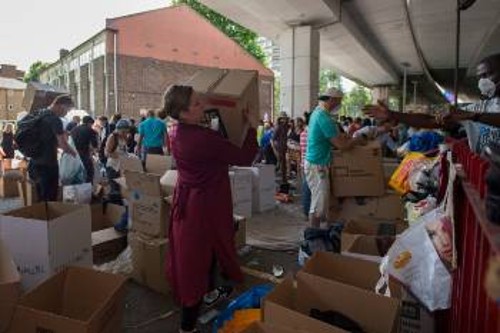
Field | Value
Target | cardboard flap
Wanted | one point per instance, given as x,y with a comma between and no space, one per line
141,184
356,272
131,163
205,80
45,211
234,83
158,164
8,269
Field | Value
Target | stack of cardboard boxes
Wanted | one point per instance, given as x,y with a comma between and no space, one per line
37,244
149,213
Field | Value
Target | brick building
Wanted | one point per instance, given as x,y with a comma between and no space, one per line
128,65
11,92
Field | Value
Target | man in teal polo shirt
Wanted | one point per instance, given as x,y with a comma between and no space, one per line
323,135
152,136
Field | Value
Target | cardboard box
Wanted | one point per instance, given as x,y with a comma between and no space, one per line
390,165
10,287
358,172
158,164
387,207
366,248
364,274
168,181
355,229
231,92
240,225
58,234
28,194
241,190
263,187
148,260
107,243
149,210
290,306
8,187
268,328
76,300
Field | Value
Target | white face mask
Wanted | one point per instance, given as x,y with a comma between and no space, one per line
487,87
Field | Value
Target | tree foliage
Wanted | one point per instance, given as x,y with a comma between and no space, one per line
355,100
243,36
328,78
33,74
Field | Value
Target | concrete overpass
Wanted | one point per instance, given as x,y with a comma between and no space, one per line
369,41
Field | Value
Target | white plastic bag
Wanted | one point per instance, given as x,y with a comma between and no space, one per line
71,169
78,194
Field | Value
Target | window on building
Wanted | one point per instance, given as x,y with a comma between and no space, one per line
85,58
74,64
99,50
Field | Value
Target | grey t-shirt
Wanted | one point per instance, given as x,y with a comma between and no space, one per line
478,134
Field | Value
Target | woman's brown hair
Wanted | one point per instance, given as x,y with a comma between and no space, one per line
177,99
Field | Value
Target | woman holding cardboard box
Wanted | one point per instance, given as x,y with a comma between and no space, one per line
201,225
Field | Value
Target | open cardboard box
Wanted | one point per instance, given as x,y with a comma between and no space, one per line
364,274
358,172
148,207
367,227
10,287
45,237
290,305
107,243
148,261
230,91
76,300
268,328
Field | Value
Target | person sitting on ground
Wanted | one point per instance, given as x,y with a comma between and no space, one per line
481,120
201,226
85,140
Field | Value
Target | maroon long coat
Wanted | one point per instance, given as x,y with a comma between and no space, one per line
202,215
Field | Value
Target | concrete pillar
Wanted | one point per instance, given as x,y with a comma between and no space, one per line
380,93
299,70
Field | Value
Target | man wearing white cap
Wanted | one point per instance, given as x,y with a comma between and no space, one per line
323,134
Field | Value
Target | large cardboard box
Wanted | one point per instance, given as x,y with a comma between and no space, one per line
355,229
268,328
241,190
107,243
155,164
364,274
45,237
388,207
290,306
390,165
231,92
10,287
149,209
168,181
76,300
8,187
358,172
148,260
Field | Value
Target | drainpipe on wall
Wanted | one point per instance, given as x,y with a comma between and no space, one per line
114,71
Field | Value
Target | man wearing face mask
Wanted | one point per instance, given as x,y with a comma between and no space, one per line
322,136
481,120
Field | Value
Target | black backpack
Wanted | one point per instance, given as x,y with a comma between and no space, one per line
29,138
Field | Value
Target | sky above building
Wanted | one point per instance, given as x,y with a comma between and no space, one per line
32,30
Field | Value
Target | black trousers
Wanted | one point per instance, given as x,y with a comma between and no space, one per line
46,179
89,167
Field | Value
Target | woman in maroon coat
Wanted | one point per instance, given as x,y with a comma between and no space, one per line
201,227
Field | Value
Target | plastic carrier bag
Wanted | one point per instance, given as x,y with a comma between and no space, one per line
78,194
71,169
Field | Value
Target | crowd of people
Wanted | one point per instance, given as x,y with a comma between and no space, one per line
201,223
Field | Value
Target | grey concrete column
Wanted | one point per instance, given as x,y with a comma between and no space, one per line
299,70
380,93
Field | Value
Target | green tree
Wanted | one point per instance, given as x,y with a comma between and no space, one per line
243,36
328,78
33,74
354,101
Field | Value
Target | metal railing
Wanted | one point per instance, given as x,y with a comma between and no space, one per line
477,241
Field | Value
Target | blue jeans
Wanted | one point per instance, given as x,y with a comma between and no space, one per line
306,196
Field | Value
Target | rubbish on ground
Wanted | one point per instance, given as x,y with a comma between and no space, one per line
261,275
278,271
122,264
241,320
208,316
244,251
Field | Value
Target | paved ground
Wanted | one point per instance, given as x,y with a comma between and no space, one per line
144,307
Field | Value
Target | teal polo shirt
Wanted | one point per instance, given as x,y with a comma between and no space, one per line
321,130
153,131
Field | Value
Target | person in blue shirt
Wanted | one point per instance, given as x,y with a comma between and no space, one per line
152,136
323,135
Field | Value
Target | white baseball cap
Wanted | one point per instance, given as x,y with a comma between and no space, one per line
332,93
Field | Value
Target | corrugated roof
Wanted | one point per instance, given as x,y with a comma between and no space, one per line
14,84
